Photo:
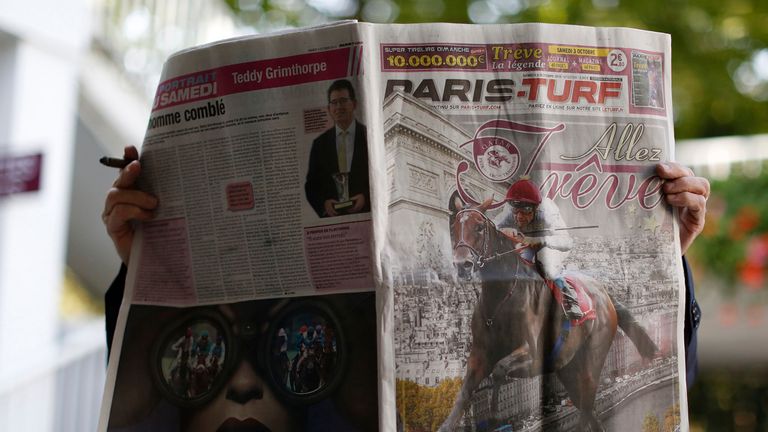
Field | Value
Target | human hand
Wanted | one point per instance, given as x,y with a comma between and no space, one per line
688,193
514,235
328,206
537,244
124,205
359,203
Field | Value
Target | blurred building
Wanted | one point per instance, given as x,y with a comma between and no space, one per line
75,81
43,372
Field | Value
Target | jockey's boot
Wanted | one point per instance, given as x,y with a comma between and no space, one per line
570,303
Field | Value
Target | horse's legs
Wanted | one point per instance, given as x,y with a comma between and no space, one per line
588,419
497,381
519,359
570,375
581,378
578,382
518,363
594,352
477,367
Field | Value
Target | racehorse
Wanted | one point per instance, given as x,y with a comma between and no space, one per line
308,372
180,375
201,380
520,331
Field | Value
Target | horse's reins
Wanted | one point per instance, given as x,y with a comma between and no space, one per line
481,259
478,259
489,321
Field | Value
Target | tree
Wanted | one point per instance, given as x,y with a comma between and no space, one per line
672,418
423,408
719,47
734,243
651,423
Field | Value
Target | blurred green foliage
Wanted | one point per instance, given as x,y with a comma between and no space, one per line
730,400
719,47
734,243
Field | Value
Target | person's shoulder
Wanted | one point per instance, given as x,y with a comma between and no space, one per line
331,131
548,208
326,135
360,128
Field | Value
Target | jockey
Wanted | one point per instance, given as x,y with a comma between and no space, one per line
532,221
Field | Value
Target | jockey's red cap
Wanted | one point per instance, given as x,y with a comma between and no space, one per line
524,191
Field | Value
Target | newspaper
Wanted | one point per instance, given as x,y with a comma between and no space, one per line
406,227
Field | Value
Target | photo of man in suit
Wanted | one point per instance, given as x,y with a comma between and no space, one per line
339,155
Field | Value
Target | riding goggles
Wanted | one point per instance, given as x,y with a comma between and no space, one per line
297,347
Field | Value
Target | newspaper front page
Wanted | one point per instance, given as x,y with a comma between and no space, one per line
382,227
548,135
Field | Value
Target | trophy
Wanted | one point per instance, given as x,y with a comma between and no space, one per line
341,179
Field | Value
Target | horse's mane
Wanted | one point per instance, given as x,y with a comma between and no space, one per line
501,241
504,251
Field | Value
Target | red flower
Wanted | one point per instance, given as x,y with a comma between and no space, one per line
745,221
752,275
757,250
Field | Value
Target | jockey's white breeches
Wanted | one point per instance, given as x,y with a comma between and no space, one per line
551,261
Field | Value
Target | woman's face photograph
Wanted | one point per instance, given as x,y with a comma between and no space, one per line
246,403
267,365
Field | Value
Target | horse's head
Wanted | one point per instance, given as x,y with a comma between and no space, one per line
472,231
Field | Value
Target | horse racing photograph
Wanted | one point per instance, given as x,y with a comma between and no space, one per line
534,271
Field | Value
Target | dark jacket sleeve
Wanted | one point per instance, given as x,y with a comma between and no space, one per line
322,159
692,320
112,300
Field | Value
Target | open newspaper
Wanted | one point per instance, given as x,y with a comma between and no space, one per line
406,228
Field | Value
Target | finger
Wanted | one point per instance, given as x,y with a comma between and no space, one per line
123,214
691,201
672,170
130,152
130,197
697,185
128,175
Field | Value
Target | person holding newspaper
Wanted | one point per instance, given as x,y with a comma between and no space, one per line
337,177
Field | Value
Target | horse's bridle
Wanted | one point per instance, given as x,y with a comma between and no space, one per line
479,260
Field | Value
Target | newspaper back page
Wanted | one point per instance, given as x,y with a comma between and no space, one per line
249,300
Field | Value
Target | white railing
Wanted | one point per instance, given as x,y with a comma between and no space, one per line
61,388
716,157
